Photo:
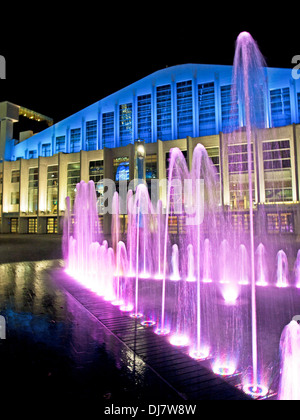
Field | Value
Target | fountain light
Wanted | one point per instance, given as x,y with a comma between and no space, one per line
230,294
144,275
148,323
207,280
191,279
117,302
136,315
126,308
224,367
162,331
179,340
200,354
256,391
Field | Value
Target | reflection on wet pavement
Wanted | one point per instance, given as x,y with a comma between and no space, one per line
55,348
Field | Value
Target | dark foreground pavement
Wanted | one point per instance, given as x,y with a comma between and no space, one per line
57,351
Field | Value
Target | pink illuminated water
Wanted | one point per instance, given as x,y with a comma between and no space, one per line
289,387
199,285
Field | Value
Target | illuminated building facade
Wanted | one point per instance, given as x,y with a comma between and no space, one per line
178,106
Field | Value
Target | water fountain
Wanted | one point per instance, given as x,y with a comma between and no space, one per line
205,280
289,386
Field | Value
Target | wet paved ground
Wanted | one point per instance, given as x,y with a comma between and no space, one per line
62,345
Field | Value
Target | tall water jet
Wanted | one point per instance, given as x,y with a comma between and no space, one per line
250,87
297,270
177,170
86,229
261,266
204,200
282,269
175,263
141,209
207,262
159,218
115,226
190,264
243,265
289,384
130,233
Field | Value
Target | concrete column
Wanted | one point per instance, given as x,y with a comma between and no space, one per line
9,114
153,113
218,103
84,167
195,106
224,171
134,118
190,149
99,129
174,110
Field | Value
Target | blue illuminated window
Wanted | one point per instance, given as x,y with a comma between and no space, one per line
207,109
184,109
164,112
280,107
298,97
91,135
108,130
144,118
122,173
230,110
75,138
125,120
46,149
32,154
60,144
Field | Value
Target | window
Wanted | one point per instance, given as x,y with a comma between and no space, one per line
32,154
52,225
151,166
280,107
91,135
121,169
15,198
125,120
144,118
213,153
33,190
207,109
96,171
108,130
14,225
277,171
281,222
32,225
298,97
75,138
238,176
52,189
60,144
240,221
73,178
164,112
184,109
15,176
46,150
229,109
1,178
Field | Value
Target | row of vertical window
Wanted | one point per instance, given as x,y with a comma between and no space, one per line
280,112
278,182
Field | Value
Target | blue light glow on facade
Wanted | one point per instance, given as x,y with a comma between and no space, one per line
176,102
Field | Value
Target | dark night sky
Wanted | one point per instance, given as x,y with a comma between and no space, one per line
60,62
